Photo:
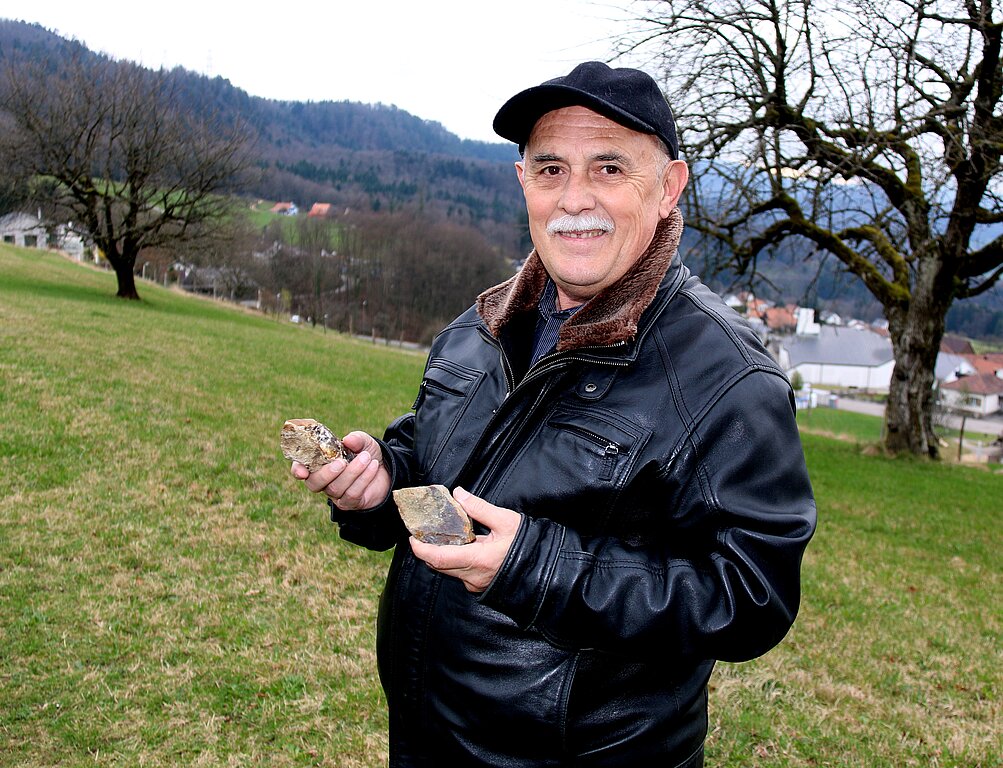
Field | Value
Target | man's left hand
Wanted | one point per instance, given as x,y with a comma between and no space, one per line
477,563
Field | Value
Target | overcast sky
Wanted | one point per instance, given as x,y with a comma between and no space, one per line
453,61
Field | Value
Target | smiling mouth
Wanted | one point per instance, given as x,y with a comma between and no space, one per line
581,226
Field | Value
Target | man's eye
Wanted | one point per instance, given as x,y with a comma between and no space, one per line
551,170
610,169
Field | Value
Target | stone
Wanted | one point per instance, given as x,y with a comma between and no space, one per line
311,444
432,515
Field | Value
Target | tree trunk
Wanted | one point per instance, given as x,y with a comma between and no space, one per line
916,332
126,281
909,413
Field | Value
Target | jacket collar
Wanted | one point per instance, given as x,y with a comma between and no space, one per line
609,317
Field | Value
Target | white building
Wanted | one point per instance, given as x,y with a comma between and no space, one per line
70,241
977,393
23,229
837,356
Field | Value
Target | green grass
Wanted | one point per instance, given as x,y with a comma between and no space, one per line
858,428
866,431
169,596
259,214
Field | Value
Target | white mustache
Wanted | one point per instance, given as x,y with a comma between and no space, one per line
583,222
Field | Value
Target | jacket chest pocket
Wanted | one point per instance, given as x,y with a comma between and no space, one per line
444,397
601,444
573,466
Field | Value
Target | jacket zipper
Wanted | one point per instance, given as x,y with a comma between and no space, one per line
547,362
425,385
553,360
610,448
513,434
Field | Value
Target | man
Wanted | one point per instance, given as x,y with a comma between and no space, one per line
628,449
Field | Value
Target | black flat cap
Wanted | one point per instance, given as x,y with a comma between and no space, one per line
629,97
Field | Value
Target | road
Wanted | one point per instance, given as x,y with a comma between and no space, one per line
986,426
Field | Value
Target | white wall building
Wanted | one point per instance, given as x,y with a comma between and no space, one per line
837,356
23,229
980,394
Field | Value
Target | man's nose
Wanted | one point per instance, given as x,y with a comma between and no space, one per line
577,195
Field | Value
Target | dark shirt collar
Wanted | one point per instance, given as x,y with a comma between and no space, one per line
548,303
549,322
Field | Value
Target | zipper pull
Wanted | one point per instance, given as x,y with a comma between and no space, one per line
609,462
421,395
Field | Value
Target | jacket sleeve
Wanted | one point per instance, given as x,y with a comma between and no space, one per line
380,527
723,583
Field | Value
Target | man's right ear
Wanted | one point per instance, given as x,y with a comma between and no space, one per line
520,171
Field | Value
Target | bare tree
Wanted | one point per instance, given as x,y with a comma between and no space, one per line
315,239
224,257
137,162
410,274
870,129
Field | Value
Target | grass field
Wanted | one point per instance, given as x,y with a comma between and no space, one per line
169,596
865,431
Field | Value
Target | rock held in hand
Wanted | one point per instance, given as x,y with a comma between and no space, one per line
311,444
432,515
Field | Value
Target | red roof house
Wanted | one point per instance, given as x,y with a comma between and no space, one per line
320,209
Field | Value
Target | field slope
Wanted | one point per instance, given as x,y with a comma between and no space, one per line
170,597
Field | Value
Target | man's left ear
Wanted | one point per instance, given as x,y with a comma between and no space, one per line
677,173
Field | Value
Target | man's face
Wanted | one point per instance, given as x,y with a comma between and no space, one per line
579,163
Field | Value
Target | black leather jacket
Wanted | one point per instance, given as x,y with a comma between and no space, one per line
666,508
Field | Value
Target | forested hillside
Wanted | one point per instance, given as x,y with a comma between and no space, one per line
378,159
364,156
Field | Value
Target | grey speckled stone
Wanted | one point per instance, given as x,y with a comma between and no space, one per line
432,515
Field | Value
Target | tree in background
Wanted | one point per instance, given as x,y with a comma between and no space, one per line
406,274
316,238
872,130
302,260
124,153
222,264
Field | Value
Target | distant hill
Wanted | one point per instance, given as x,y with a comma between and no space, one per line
349,154
381,158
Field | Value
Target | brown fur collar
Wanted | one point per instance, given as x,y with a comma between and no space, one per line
608,317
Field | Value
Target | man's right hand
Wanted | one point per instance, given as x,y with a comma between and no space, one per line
359,484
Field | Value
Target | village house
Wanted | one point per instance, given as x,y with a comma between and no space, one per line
973,383
29,231
23,229
285,209
860,357
70,241
956,345
836,356
980,394
781,319
320,210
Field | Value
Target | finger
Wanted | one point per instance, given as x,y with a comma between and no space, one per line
323,476
474,564
348,475
441,557
357,442
486,513
356,493
299,471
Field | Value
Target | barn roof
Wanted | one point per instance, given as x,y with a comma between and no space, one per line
839,345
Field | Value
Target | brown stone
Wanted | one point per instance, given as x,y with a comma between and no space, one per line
311,444
432,515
